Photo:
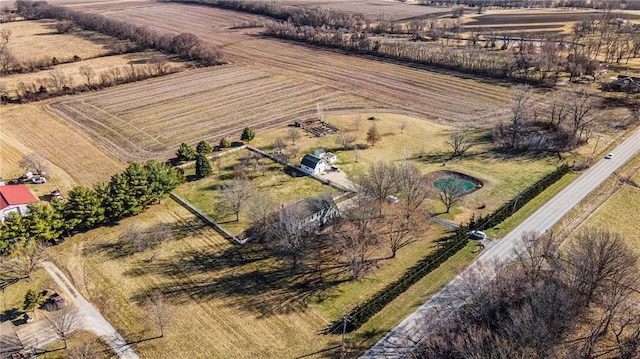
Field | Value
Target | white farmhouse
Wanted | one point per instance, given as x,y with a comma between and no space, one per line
313,165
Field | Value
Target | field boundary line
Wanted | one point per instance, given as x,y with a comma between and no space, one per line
208,219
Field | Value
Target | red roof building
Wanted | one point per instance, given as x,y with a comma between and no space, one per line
15,198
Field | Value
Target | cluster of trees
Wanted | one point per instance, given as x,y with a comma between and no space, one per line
362,231
186,45
567,121
127,194
516,4
550,302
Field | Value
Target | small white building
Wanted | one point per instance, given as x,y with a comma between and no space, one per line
15,199
329,157
313,165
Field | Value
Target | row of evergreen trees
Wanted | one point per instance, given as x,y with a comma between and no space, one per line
127,194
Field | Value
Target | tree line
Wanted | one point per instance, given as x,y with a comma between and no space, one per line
529,63
550,302
127,194
517,4
56,83
186,45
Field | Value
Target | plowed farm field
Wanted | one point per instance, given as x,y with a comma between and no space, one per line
270,83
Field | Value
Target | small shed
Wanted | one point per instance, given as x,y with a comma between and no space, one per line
329,157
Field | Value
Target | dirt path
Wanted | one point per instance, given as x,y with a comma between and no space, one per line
92,320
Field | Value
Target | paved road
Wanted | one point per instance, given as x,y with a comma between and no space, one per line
92,320
397,342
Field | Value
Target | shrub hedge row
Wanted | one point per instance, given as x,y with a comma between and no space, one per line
518,201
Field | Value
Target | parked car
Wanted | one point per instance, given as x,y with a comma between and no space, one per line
55,302
16,181
392,199
475,234
38,180
609,156
56,194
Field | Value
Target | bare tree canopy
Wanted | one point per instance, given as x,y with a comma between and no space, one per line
236,195
66,323
549,303
460,141
33,162
380,180
345,140
450,192
158,311
21,264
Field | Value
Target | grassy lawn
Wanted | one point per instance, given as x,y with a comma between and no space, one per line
226,300
619,213
424,143
523,213
12,297
274,183
82,339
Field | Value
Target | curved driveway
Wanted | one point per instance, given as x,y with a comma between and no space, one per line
397,342
92,320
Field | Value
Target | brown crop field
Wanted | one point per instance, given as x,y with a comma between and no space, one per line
537,20
72,156
271,84
373,9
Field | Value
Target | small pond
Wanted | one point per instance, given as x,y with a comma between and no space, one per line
447,181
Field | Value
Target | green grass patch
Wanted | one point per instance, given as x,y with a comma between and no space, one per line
268,178
514,220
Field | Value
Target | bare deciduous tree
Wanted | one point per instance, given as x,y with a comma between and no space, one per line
288,234
158,311
355,245
412,187
66,323
450,192
356,122
380,180
33,162
293,134
84,350
397,229
236,194
22,264
345,140
88,73
510,135
460,141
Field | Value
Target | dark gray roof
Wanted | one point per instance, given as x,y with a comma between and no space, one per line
310,161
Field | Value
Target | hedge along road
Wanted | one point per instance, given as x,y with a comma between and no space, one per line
406,335
92,320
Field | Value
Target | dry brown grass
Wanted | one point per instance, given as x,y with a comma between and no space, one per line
73,157
39,39
224,300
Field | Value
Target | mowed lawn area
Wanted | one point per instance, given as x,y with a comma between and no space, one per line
230,301
423,143
269,181
620,213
